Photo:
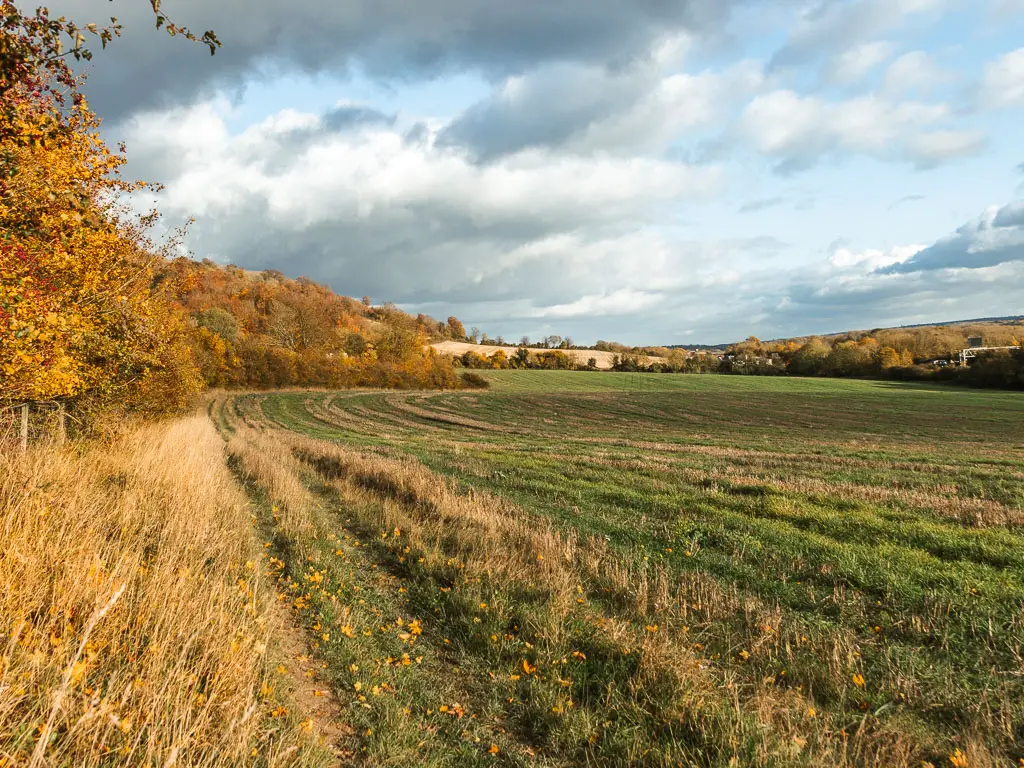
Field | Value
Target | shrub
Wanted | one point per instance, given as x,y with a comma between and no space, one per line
475,381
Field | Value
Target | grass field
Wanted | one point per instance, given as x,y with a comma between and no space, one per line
615,569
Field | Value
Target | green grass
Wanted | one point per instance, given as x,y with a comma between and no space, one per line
880,522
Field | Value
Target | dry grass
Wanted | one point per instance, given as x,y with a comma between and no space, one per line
134,616
781,641
491,542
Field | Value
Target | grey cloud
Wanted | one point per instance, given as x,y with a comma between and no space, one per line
545,109
760,205
996,237
1011,215
345,117
644,107
385,38
907,199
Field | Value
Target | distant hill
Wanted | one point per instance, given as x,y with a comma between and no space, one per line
262,329
977,326
981,324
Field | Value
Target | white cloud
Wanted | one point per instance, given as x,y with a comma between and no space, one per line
912,71
935,147
621,302
853,65
870,260
335,176
1003,83
825,28
799,130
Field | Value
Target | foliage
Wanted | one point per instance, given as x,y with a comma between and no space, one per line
475,381
902,353
80,316
264,330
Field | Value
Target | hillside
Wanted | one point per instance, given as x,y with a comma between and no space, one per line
262,329
927,341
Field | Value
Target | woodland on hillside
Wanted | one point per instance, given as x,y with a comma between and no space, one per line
262,329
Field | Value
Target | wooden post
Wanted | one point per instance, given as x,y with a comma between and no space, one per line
24,427
61,424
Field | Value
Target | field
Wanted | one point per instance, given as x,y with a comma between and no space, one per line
604,360
616,569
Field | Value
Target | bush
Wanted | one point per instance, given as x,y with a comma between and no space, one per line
475,381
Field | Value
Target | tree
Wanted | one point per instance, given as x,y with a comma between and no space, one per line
456,329
887,358
474,335
810,359
220,322
80,313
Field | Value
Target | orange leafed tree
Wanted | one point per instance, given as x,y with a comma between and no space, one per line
80,317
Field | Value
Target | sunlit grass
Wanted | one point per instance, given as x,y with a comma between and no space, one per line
851,551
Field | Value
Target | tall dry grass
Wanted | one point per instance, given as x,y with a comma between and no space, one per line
134,621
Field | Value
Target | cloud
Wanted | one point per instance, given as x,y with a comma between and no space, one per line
347,116
585,109
913,71
1002,9
621,302
800,130
873,260
761,205
372,212
907,199
388,39
829,26
1003,82
852,65
993,238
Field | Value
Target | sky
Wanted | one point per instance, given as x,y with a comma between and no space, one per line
645,171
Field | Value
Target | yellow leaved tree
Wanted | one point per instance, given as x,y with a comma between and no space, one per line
82,315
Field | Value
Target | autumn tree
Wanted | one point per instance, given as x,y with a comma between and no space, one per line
456,329
80,314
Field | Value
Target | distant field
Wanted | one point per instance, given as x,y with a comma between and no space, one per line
604,359
622,569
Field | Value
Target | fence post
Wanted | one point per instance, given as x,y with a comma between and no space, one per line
24,426
61,424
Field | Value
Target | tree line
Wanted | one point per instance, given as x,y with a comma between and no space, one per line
927,353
